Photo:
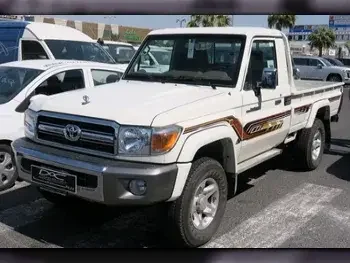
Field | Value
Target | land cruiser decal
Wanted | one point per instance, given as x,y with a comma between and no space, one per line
250,130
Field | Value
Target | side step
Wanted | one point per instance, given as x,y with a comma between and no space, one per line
243,166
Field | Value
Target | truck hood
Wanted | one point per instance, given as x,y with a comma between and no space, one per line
126,102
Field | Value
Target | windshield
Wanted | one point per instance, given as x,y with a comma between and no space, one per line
335,62
326,62
121,53
78,50
13,80
191,59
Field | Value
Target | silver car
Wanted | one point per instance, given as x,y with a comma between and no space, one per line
317,68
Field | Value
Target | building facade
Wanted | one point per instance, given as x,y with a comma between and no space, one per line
132,35
340,24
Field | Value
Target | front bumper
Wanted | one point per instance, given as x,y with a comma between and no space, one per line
98,179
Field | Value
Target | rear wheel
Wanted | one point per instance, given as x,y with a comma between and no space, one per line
8,172
196,215
310,146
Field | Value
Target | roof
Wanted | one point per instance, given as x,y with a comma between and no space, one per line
249,31
117,43
13,24
48,31
45,64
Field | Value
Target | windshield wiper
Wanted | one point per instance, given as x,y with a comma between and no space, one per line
201,79
141,76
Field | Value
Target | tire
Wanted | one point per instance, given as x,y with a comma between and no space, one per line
305,148
8,171
334,78
183,230
56,199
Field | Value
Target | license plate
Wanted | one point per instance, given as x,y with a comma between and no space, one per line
57,179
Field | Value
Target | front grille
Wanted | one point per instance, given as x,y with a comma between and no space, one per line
94,136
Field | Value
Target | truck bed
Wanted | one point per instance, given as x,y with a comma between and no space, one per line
302,86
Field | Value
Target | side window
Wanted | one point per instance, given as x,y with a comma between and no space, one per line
300,61
313,62
263,55
8,51
62,82
32,50
101,77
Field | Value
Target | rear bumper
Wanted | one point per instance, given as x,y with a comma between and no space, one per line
98,179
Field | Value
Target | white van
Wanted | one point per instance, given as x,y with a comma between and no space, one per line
22,40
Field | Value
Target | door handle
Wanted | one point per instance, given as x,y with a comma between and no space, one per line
277,102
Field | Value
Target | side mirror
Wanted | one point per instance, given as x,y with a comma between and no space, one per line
319,66
268,81
296,73
269,78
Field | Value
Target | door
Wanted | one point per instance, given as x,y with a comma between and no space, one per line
55,83
302,65
315,72
266,119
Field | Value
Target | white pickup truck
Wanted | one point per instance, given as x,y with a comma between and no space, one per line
181,136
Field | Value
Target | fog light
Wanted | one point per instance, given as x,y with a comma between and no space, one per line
137,187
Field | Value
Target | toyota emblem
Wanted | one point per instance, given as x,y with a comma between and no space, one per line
72,132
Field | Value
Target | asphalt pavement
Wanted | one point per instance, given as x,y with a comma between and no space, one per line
276,207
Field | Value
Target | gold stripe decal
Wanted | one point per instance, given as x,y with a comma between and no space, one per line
250,130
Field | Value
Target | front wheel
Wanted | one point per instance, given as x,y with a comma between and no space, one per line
8,172
334,78
196,215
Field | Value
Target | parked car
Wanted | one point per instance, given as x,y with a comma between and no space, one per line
21,80
21,40
120,51
181,136
318,68
156,59
335,62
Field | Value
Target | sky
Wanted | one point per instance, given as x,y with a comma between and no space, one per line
166,21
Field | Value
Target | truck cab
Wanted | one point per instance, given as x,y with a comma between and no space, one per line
184,135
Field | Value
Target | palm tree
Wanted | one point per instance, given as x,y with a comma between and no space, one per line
195,21
347,46
209,21
281,21
322,38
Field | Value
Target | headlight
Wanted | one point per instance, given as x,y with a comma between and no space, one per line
144,141
134,141
29,123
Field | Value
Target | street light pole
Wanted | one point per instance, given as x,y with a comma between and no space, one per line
232,20
180,21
